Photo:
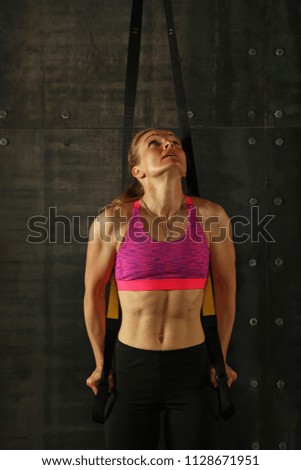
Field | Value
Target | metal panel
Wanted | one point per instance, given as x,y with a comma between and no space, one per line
230,173
225,63
283,260
283,65
47,355
64,56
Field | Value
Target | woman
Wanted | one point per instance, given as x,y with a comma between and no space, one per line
159,243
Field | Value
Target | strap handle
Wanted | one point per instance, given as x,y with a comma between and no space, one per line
216,357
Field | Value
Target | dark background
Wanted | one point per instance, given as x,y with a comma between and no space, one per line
241,62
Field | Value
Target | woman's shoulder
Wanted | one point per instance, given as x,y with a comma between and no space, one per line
212,215
111,218
206,207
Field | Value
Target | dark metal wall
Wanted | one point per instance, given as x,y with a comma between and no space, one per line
61,110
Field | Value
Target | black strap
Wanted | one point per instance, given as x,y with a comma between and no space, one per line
216,357
112,326
131,79
209,324
185,134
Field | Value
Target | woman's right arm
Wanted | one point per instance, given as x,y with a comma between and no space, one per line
101,251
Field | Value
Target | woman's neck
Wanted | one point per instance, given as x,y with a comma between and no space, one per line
163,200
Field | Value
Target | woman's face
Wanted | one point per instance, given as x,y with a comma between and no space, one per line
160,151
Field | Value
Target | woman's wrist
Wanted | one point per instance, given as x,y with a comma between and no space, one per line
99,366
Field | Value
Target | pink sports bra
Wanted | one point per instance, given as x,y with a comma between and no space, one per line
143,264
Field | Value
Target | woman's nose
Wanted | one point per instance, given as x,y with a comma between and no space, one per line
167,143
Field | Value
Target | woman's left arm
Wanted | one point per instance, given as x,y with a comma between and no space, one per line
223,274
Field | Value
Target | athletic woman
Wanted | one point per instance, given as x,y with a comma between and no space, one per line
158,243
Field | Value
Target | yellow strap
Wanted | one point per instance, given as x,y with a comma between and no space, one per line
112,310
113,303
208,301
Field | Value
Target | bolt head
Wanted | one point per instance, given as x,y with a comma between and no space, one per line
278,201
65,114
281,384
282,445
4,141
3,114
279,52
252,51
278,113
253,201
254,383
279,141
279,321
252,140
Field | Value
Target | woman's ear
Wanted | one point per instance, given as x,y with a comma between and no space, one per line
137,172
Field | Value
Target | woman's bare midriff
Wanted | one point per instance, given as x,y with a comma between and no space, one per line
161,320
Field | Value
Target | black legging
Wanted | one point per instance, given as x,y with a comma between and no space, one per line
148,381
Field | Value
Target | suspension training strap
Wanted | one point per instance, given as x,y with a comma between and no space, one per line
191,177
131,82
113,323
209,321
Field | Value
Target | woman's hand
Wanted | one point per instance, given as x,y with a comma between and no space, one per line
94,379
231,374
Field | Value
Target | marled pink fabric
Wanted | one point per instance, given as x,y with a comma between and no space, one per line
142,259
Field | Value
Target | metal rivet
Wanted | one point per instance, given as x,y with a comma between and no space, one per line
255,445
170,31
281,384
282,445
252,262
278,201
251,114
190,114
278,113
279,141
279,321
253,321
252,140
65,114
135,31
254,383
278,262
3,114
4,141
252,51
253,201
279,51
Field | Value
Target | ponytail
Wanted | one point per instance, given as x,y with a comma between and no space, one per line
132,193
